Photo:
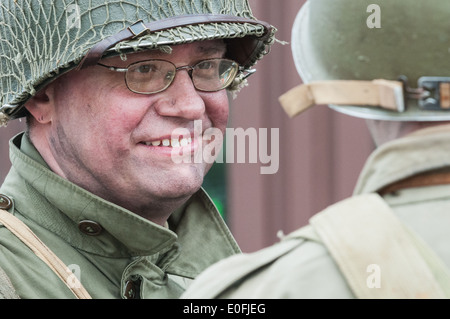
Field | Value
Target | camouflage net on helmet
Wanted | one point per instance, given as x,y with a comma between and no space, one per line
40,40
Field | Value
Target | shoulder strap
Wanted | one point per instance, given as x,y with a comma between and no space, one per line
361,232
7,290
18,228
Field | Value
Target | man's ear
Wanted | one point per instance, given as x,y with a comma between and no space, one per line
40,105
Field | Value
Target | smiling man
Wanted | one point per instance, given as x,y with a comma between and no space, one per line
94,205
131,165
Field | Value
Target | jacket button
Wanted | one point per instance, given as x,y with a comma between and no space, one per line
130,290
90,227
5,202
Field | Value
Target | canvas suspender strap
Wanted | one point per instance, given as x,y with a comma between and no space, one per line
18,228
7,290
362,232
381,93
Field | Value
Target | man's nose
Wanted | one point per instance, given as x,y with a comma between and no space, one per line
181,99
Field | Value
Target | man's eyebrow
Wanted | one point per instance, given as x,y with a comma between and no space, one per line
211,50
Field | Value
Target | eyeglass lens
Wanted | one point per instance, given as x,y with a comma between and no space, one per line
154,76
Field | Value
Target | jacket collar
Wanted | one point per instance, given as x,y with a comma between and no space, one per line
424,150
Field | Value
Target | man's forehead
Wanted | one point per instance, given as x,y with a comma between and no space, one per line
213,46
201,48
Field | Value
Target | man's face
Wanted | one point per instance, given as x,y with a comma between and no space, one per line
102,134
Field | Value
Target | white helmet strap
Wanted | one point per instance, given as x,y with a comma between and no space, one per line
433,93
382,93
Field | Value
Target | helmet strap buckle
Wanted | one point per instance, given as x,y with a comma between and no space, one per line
432,92
437,93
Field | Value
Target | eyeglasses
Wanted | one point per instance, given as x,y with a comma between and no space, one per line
153,76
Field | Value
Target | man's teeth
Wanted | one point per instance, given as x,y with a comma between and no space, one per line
171,142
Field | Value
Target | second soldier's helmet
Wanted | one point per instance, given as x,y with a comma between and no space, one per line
385,60
40,40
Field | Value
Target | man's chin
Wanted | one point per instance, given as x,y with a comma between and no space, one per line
180,191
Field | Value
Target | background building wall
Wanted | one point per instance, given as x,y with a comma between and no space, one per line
320,152
6,133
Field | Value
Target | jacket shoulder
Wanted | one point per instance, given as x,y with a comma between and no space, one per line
293,268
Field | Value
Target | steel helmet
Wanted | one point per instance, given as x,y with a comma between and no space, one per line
385,60
40,40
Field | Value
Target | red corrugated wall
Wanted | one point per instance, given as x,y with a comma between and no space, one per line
321,151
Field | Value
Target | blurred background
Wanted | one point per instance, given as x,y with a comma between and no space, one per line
321,152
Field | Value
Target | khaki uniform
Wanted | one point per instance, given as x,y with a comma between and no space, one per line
114,253
300,266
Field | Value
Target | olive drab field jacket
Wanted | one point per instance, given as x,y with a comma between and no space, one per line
389,240
113,252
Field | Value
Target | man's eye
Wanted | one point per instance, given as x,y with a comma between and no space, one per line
145,68
206,65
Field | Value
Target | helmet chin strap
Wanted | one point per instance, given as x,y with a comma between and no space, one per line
380,93
432,93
